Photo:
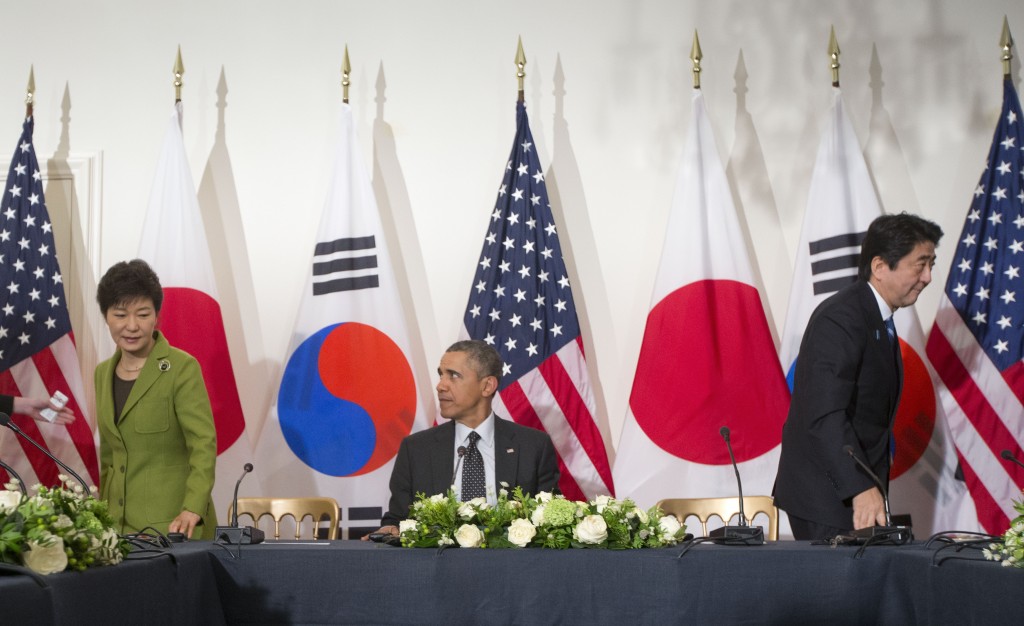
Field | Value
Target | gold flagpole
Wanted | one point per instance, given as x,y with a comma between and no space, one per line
30,91
833,53
179,72
696,55
1006,43
521,69
346,69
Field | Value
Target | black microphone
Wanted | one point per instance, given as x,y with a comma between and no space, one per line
1006,454
898,534
742,535
14,475
234,509
5,420
233,534
462,452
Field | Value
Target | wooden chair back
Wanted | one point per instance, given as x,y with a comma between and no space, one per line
298,508
706,508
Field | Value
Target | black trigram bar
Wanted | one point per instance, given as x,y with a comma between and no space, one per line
834,243
833,264
345,245
345,265
345,284
348,264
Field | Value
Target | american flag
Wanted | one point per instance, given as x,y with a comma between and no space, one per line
977,341
37,352
521,303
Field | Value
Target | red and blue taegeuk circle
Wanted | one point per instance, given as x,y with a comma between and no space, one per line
347,399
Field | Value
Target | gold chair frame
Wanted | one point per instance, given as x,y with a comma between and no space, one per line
706,508
298,508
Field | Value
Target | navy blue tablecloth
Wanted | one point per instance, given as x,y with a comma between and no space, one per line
352,582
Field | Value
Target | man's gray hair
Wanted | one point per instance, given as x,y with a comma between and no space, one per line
482,356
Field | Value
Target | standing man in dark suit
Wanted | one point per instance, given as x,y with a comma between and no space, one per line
494,450
849,374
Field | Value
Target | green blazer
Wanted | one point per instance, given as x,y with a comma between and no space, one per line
159,459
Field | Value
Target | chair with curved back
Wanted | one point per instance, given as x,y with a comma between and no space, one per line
298,508
706,508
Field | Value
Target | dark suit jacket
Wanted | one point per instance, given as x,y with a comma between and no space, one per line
523,457
845,392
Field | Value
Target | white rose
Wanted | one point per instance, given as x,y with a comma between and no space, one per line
601,502
63,521
407,525
9,500
591,529
521,532
537,517
543,496
46,559
437,497
669,526
642,516
469,536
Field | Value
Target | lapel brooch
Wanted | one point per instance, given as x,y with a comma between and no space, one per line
165,365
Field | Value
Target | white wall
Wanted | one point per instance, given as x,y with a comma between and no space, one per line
434,92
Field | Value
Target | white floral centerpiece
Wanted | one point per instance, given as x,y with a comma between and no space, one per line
58,528
1011,551
519,520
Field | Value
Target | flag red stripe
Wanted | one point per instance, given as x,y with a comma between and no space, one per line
577,414
972,400
79,431
44,468
990,516
521,411
519,407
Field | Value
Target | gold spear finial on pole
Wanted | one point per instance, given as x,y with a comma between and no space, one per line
833,53
30,91
179,71
346,69
696,55
521,69
1006,43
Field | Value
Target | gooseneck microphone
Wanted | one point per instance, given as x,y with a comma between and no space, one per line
724,432
1006,454
742,535
898,534
848,449
234,509
5,420
14,475
233,534
462,452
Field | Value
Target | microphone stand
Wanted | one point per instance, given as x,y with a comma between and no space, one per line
742,535
14,475
233,534
5,420
896,534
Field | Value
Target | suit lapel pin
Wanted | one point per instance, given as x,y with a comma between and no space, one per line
510,450
165,365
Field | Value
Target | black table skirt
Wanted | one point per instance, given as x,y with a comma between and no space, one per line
352,582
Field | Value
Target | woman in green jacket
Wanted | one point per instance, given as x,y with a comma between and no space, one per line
158,444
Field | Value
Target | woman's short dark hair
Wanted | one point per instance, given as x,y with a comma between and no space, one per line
127,282
893,237
482,356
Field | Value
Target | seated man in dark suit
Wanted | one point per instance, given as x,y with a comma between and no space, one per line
493,450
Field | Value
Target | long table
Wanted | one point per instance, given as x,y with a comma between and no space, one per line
351,582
